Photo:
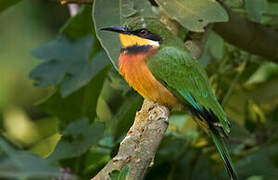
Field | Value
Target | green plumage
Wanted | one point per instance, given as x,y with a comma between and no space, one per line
181,73
187,80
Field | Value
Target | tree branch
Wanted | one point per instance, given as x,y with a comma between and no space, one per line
138,148
249,36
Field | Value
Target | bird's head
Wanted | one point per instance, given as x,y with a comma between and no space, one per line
138,37
141,32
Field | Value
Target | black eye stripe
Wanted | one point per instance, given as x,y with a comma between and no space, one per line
144,33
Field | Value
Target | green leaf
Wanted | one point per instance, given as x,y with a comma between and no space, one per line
79,25
259,164
4,4
215,45
116,12
255,9
264,73
255,178
81,103
194,14
117,105
77,138
23,164
119,175
95,160
68,61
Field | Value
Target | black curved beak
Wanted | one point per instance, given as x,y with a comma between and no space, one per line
118,29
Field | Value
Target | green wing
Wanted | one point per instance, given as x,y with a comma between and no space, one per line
183,75
188,81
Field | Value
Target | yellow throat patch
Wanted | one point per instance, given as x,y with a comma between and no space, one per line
128,40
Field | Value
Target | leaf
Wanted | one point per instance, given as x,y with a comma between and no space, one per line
4,4
117,105
107,13
264,73
255,9
81,103
23,165
259,164
69,61
95,160
215,45
77,138
119,175
194,14
255,178
79,25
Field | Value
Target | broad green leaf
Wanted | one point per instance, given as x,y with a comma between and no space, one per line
81,103
77,138
22,164
255,9
119,175
4,4
194,14
79,25
115,12
67,62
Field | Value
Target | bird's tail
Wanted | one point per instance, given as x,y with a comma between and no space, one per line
224,153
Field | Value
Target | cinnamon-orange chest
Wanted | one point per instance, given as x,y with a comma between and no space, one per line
133,67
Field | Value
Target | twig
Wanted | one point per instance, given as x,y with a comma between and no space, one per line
76,1
138,148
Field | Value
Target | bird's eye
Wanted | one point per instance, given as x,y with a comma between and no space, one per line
143,32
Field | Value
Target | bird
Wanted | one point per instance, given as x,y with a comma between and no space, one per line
156,64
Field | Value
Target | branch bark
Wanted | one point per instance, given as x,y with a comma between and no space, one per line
249,36
138,148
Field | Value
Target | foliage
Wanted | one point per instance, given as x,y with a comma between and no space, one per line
94,107
194,15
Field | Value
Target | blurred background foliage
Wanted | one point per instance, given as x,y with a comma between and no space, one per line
71,122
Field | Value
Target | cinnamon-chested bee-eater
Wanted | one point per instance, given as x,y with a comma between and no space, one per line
158,66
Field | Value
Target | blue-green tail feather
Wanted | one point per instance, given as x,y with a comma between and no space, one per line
224,153
217,132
